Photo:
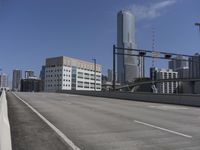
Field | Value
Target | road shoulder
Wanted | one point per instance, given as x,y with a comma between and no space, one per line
28,131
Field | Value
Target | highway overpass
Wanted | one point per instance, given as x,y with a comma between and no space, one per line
131,85
49,121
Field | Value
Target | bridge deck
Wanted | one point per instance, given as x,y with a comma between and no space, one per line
103,124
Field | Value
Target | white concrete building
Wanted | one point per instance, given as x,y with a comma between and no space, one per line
165,87
65,73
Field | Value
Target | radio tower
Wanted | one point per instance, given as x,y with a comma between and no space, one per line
153,62
153,46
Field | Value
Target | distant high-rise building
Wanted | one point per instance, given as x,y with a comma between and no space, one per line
32,84
29,73
164,87
194,66
16,80
110,75
3,80
104,79
127,66
180,64
42,77
141,67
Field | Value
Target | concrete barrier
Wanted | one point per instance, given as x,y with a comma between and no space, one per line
178,99
5,136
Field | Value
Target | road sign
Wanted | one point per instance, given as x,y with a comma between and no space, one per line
155,54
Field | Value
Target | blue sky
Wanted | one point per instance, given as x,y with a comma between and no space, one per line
32,30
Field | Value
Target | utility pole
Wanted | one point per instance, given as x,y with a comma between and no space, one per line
114,73
95,62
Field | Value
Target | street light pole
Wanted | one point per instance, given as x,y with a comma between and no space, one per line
95,62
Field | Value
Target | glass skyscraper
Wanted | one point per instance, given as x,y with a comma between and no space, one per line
127,66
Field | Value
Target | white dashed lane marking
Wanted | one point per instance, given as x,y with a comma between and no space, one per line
166,107
163,129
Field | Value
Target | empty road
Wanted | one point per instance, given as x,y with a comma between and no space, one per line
92,123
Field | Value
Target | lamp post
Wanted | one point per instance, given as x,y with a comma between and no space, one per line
95,62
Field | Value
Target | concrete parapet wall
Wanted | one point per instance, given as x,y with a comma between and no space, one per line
5,136
188,100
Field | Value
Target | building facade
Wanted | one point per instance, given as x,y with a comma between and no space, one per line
180,65
29,73
127,66
42,78
31,84
66,73
141,67
3,81
110,75
164,87
16,80
194,66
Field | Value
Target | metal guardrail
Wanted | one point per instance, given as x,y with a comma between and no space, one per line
5,136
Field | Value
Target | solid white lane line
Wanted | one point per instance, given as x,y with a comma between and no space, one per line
61,135
163,129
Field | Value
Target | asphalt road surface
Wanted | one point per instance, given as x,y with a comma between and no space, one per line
93,123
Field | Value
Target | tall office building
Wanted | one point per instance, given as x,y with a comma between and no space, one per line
3,80
127,66
164,87
110,75
141,64
194,66
29,73
180,64
16,80
42,78
66,73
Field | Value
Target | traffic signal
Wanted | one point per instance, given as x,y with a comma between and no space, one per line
142,53
168,56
